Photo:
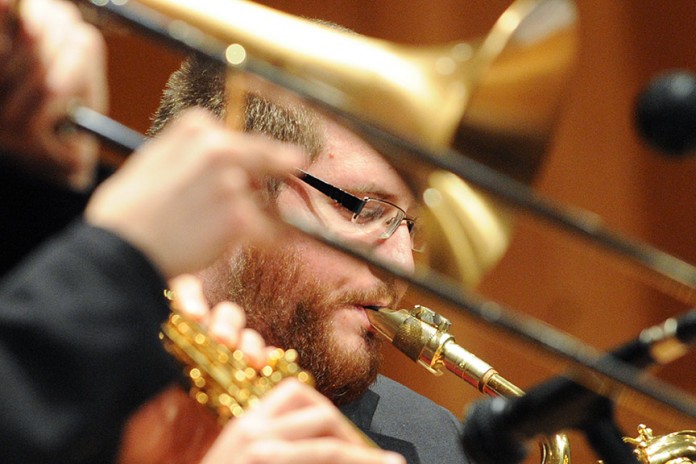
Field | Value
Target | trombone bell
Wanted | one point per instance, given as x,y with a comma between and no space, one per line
493,100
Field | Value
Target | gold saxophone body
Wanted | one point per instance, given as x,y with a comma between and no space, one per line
674,448
220,378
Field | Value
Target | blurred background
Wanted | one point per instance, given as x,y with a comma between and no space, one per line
596,162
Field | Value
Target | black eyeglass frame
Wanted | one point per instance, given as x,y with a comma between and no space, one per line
355,204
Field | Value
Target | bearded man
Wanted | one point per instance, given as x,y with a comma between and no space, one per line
301,294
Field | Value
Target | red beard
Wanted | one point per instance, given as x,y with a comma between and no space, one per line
290,312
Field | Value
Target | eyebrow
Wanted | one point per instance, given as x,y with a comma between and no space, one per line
370,190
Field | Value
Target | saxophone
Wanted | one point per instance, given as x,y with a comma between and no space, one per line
422,334
220,378
674,448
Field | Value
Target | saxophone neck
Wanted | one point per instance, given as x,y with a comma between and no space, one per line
423,335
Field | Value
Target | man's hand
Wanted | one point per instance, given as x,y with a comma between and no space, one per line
225,322
293,423
186,195
49,57
172,428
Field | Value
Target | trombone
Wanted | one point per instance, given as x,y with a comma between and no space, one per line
483,74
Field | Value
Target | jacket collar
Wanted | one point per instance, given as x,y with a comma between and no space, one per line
361,412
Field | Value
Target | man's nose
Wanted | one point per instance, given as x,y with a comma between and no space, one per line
397,249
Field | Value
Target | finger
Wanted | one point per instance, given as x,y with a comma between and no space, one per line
227,322
254,348
289,395
78,70
261,155
4,10
317,420
20,67
10,29
188,297
269,350
83,173
254,153
72,54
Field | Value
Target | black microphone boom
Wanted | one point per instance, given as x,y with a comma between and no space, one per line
497,430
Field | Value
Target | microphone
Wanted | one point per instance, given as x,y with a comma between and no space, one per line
496,430
665,113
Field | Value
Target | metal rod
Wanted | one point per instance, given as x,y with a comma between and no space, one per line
675,276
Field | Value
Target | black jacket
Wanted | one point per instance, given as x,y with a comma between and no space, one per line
79,317
398,419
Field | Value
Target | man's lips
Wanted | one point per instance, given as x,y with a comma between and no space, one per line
375,304
370,307
359,313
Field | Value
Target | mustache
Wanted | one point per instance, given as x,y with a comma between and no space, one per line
386,294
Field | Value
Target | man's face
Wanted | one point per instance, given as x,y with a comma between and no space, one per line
304,295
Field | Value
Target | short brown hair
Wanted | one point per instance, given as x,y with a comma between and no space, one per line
201,82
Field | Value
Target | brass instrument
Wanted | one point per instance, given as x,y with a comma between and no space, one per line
456,95
220,379
493,100
422,335
674,448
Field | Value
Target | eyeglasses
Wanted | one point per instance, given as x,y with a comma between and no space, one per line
376,217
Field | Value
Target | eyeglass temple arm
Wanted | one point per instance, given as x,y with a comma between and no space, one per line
342,197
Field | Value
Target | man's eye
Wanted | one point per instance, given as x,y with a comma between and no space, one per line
369,214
